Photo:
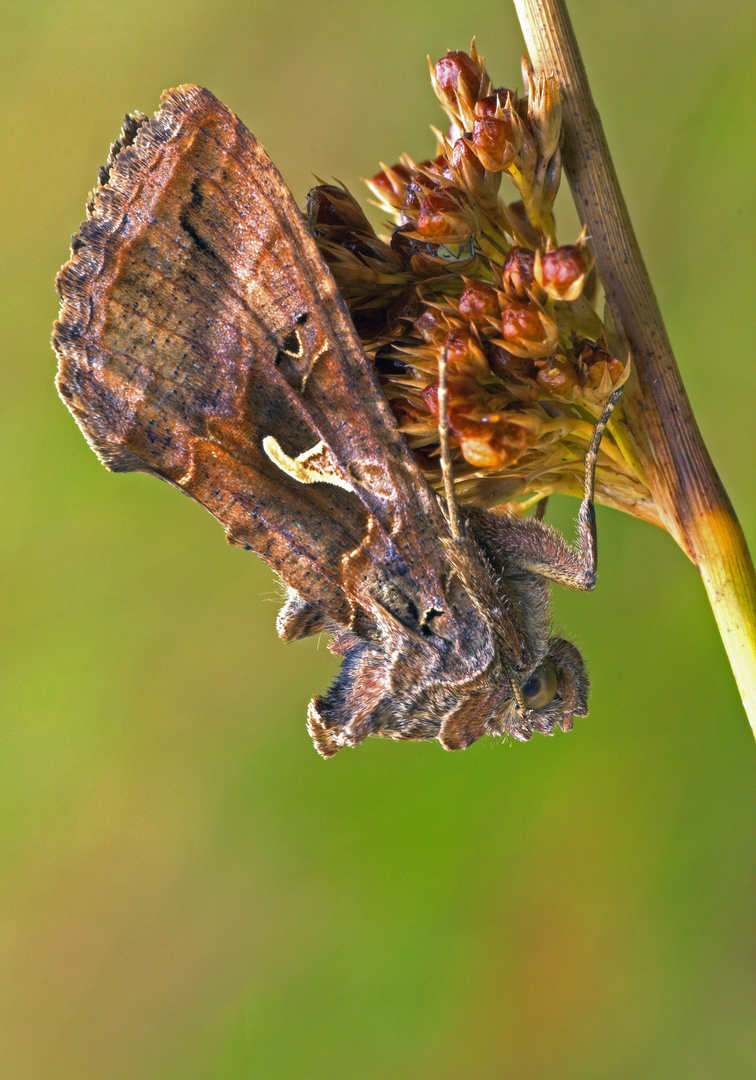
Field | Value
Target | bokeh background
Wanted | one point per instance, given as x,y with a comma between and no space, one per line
186,890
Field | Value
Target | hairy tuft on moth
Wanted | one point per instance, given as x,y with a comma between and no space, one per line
202,338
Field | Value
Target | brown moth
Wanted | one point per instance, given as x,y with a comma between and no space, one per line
202,339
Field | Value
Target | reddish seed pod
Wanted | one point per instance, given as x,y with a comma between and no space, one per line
561,273
517,273
456,71
558,378
496,139
457,397
464,354
463,154
331,206
479,450
488,106
430,397
416,191
383,181
431,326
424,263
413,196
320,209
598,370
508,366
492,442
520,321
404,310
405,411
457,344
462,392
479,302
433,219
527,330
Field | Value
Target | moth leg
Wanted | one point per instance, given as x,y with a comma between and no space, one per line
298,618
529,544
577,570
452,503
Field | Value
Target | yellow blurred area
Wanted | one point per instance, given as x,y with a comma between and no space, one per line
187,890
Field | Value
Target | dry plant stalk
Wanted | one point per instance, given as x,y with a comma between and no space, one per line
692,503
483,281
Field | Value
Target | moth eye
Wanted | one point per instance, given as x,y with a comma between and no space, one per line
540,688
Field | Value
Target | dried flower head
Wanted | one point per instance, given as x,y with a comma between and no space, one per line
466,275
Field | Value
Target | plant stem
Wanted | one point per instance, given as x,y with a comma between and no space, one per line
692,502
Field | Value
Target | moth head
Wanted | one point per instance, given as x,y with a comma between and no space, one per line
551,694
540,700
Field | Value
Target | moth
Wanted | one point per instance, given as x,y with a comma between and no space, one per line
202,339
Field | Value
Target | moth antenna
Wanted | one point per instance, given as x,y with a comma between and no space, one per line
450,492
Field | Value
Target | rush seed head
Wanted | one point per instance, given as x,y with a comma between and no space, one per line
467,275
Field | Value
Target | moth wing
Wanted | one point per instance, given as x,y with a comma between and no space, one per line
202,339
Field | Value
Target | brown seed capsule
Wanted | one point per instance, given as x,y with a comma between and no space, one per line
403,311
426,264
479,302
493,103
517,273
456,73
598,372
602,370
558,378
479,451
528,331
508,366
496,142
463,394
430,397
394,182
464,156
464,354
561,272
447,215
492,442
457,403
331,206
432,326
414,194
470,172
438,216
416,255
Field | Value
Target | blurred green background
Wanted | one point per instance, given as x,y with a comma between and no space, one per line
188,891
